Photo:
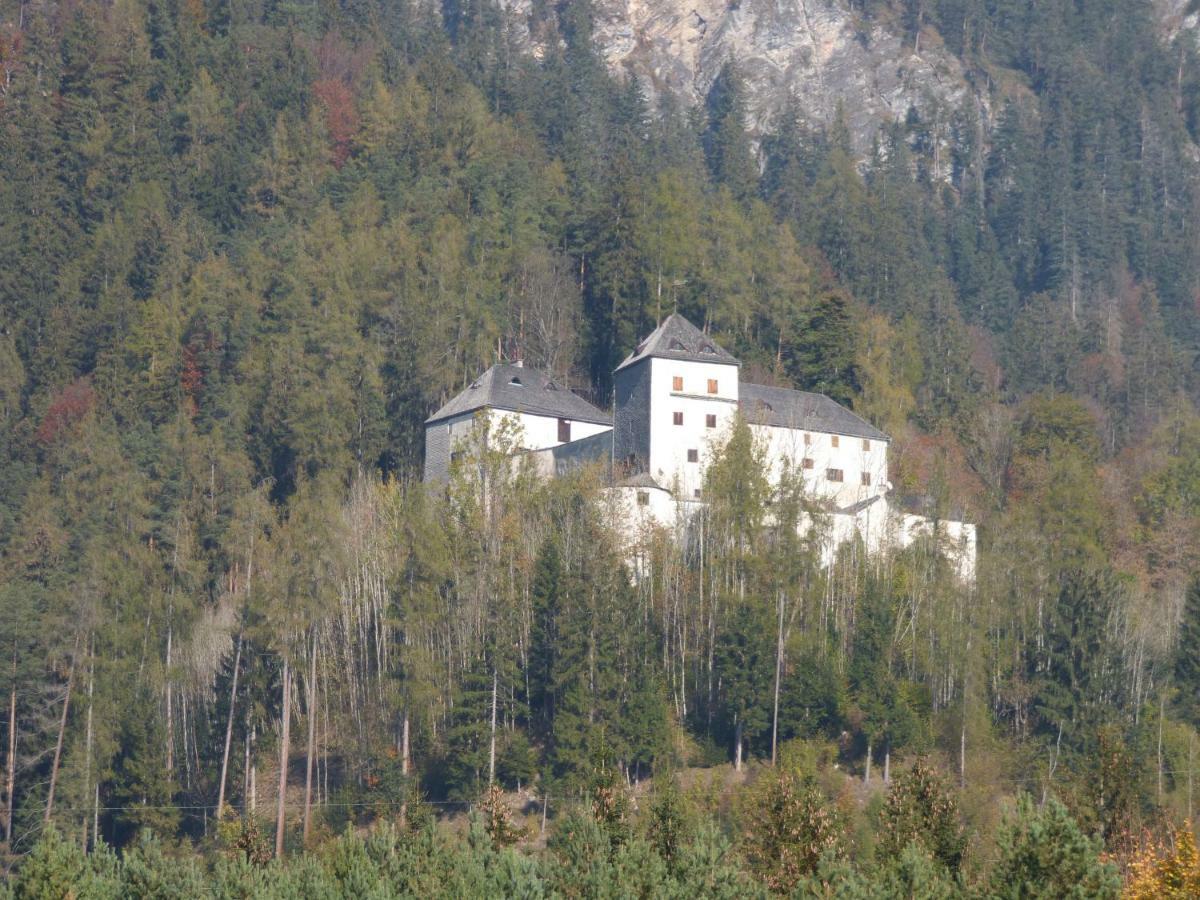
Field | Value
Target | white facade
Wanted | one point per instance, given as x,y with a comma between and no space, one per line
838,468
692,407
677,397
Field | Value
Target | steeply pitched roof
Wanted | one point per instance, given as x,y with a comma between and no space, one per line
677,338
785,408
517,389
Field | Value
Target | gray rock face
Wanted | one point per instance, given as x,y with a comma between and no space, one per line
814,50
1177,17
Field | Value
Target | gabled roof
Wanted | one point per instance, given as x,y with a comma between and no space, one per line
514,388
677,338
785,408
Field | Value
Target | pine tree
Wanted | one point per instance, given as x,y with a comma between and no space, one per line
1187,655
726,143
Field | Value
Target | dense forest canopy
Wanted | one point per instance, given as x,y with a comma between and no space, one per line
246,246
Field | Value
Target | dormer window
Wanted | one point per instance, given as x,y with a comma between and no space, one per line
708,348
676,345
517,382
551,386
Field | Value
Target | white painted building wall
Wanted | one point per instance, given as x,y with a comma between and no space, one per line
531,432
670,443
851,456
540,432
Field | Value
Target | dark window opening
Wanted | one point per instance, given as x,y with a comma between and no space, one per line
693,456
866,478
677,383
833,474
643,498
808,463
564,431
710,421
677,418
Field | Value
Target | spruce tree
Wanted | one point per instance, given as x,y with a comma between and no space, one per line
1187,656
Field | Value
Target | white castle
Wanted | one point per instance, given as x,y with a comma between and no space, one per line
675,400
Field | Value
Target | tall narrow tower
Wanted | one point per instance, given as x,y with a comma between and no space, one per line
675,395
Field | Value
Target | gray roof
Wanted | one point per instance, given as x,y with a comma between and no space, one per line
786,408
511,387
640,480
677,338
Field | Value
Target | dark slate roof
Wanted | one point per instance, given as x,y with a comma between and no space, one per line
640,480
677,338
517,389
786,408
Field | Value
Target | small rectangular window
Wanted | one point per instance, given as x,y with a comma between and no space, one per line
693,456
564,431
710,421
677,417
866,478
807,440
808,463
677,383
833,474
834,440
643,498
696,493
866,444
712,385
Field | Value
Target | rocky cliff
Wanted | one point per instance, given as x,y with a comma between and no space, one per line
817,51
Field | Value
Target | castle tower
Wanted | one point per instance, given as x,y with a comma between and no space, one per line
675,394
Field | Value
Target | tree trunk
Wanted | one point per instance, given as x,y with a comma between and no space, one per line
252,768
62,730
1162,700
778,677
887,764
170,713
492,747
737,750
284,751
404,762
237,663
12,758
404,769
312,737
867,773
11,781
87,744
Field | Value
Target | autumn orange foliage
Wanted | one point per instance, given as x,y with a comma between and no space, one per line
1169,869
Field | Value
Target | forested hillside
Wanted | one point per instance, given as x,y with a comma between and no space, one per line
246,247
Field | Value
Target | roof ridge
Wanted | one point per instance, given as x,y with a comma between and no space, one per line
677,338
